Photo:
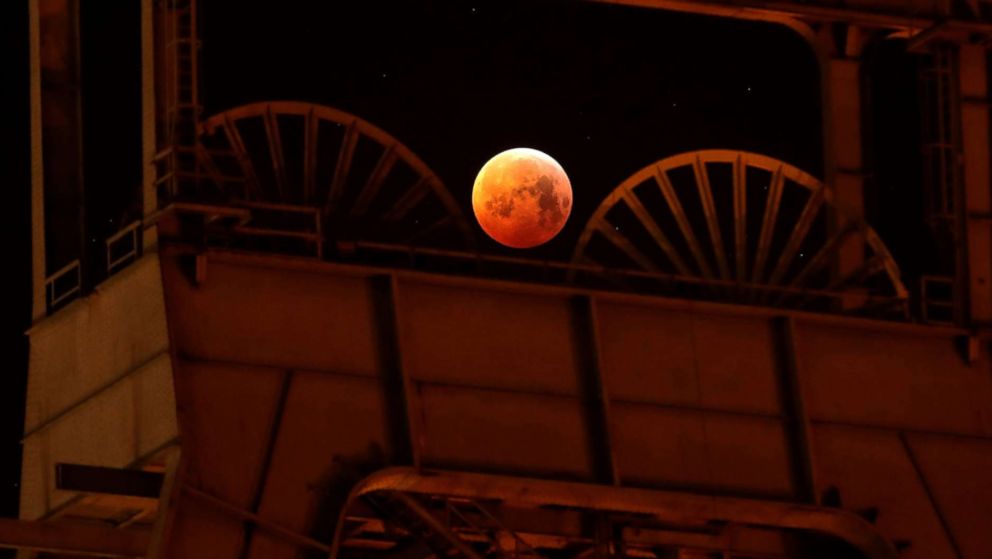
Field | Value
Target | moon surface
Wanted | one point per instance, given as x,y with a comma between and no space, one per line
522,198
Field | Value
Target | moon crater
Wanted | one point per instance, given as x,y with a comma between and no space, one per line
522,198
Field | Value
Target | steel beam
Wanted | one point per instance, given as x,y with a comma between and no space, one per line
175,464
945,524
38,268
272,528
671,506
415,440
266,464
596,401
436,525
149,192
975,142
840,78
791,12
112,481
61,155
797,422
82,539
353,270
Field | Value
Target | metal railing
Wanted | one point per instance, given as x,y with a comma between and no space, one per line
123,247
937,299
247,221
776,295
249,224
63,285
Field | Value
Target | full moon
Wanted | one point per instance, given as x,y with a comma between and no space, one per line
522,198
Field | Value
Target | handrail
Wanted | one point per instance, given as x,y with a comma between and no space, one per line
568,266
52,299
242,211
131,230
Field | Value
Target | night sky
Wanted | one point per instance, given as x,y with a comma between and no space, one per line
16,235
604,89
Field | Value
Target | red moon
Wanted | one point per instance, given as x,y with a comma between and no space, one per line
522,198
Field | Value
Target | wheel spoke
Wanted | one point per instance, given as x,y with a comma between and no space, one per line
652,228
343,166
709,210
626,246
310,137
409,200
661,178
768,225
799,232
297,175
275,151
378,176
740,217
244,160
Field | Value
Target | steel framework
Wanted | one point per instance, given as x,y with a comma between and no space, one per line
769,243
242,155
687,429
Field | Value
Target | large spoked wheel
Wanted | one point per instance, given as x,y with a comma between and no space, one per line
366,184
739,225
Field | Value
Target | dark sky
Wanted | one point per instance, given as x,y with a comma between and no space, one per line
15,232
604,89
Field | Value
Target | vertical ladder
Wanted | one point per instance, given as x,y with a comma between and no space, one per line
177,45
941,154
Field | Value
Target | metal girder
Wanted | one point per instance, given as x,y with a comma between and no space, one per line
291,263
436,525
257,521
64,537
778,11
672,506
765,274
263,475
343,191
114,481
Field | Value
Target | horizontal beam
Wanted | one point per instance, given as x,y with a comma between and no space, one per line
82,539
775,10
285,534
309,265
112,481
675,507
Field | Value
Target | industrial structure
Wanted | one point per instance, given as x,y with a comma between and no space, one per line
287,354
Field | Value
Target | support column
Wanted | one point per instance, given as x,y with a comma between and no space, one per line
842,133
58,209
798,427
973,83
38,268
149,192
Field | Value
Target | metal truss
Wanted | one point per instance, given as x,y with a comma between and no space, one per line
365,182
474,516
745,221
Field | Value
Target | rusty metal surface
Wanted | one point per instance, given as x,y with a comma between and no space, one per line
93,540
914,16
672,506
485,376
295,379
